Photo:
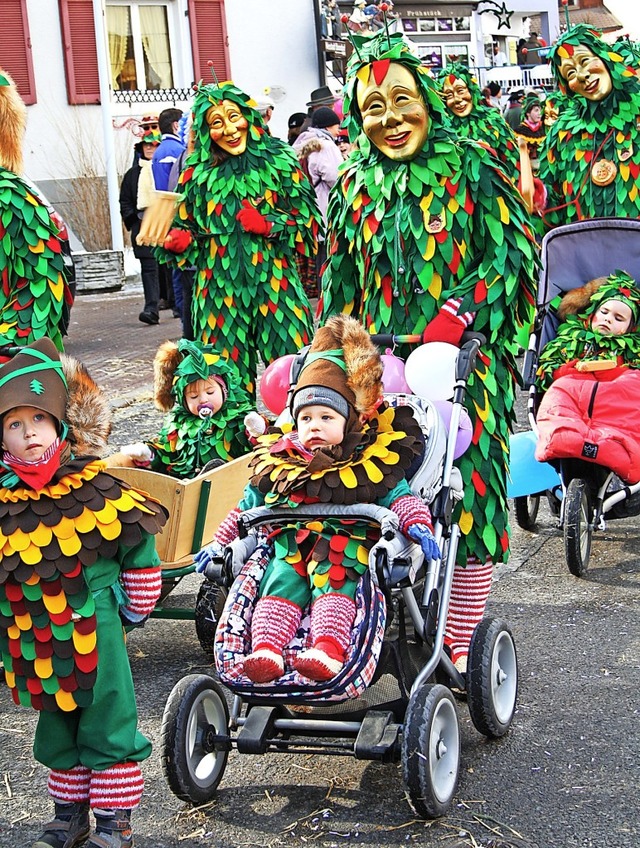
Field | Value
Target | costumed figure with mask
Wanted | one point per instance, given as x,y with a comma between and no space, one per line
78,560
246,212
428,235
590,162
471,117
205,405
34,298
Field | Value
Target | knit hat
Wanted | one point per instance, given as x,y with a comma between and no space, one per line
343,370
34,377
324,117
296,120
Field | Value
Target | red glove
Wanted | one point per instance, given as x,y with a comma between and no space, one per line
177,241
252,221
448,326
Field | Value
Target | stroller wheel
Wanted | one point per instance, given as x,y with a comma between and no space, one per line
492,678
431,750
195,738
526,508
209,604
578,528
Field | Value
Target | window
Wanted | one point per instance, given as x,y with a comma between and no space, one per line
80,55
139,47
16,48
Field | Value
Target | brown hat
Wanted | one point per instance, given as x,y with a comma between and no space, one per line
343,370
34,377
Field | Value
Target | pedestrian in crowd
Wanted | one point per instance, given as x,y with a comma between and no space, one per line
136,194
64,601
297,123
427,236
170,148
320,159
532,129
187,274
148,123
246,211
495,95
265,108
471,118
204,404
513,109
34,297
590,160
341,427
322,96
521,52
498,56
344,145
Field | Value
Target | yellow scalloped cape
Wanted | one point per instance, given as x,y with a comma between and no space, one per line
363,469
47,613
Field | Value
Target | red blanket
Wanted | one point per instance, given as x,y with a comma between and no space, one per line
583,416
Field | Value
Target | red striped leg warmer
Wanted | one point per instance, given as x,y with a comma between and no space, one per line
118,787
228,529
332,617
411,510
142,586
274,623
469,592
69,786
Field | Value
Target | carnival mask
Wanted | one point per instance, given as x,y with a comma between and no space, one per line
228,127
585,73
457,97
394,115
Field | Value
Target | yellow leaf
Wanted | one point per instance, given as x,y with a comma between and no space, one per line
504,212
466,523
65,701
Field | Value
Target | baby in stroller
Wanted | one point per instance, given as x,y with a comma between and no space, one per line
589,373
346,447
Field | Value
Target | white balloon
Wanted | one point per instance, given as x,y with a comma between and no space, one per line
430,370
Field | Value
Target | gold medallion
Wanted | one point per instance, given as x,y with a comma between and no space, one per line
603,172
436,223
625,153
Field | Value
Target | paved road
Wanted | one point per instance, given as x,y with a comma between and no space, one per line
566,776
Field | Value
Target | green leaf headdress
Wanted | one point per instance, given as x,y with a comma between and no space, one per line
459,71
618,286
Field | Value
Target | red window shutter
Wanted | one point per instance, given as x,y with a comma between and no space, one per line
80,54
209,39
16,48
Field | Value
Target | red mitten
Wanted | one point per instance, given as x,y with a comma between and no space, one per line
253,221
177,241
448,325
539,196
566,370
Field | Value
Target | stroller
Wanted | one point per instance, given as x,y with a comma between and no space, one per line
586,492
392,700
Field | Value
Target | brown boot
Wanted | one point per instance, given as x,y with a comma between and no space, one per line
69,828
113,830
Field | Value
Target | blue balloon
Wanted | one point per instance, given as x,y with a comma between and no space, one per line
527,475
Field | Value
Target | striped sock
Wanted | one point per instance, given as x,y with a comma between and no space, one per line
69,786
469,592
117,787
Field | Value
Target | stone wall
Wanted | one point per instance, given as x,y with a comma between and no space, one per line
101,271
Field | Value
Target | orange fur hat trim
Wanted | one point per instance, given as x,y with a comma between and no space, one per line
13,122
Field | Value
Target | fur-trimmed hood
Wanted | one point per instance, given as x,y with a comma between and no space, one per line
13,121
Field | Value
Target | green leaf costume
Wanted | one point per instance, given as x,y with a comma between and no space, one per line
406,236
590,134
34,292
247,298
484,123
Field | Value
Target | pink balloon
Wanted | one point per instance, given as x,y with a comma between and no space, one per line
274,385
465,428
393,375
338,108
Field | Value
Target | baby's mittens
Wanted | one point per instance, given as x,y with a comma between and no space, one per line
421,534
140,453
207,556
255,424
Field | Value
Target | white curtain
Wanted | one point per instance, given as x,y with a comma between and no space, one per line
155,43
119,29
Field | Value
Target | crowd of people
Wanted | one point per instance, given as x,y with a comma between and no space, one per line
401,206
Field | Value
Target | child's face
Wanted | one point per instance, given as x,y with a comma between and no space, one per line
320,425
204,395
612,318
28,432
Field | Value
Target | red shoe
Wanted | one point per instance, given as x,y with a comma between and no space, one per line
317,665
263,666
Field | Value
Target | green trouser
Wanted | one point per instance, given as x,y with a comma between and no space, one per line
106,732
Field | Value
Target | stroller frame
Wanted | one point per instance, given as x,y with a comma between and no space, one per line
581,502
420,726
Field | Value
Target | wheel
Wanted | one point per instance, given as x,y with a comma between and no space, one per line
492,678
526,509
209,605
195,738
430,751
577,527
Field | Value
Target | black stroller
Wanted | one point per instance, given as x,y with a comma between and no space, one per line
393,699
587,492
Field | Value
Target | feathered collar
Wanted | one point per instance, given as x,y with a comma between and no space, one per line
363,469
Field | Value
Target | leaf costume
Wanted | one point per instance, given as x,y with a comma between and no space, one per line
484,123
247,299
590,162
187,442
406,236
34,298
